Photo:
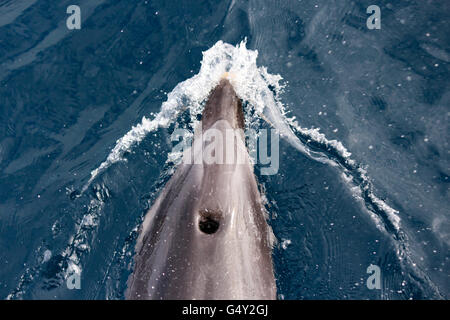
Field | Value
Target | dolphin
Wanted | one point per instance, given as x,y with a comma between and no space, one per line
206,235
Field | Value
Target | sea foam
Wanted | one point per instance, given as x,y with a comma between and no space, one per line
261,91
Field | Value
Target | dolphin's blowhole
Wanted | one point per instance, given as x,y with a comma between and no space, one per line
209,221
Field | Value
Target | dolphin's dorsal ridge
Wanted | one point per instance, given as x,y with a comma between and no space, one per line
206,236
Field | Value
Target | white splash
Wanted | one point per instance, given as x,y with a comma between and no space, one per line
251,82
317,136
285,243
391,213
253,85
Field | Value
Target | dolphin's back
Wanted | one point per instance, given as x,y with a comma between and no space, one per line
206,236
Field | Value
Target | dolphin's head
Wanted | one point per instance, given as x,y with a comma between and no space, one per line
223,104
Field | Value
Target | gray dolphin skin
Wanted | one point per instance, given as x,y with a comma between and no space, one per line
206,235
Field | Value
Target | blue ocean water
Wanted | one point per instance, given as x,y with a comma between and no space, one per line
67,96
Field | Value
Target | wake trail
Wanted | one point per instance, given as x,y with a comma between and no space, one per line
261,91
